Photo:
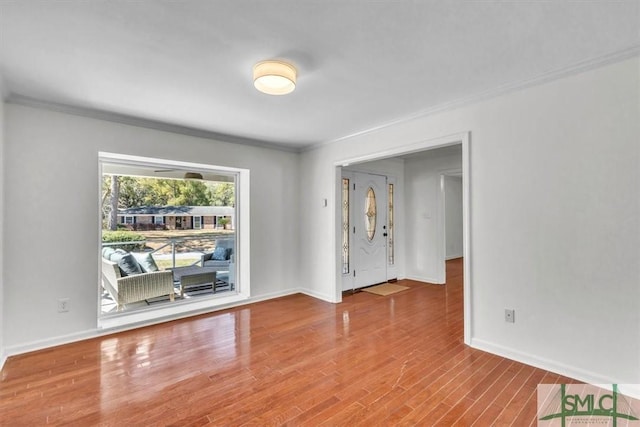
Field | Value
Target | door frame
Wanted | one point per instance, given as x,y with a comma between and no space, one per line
442,231
463,138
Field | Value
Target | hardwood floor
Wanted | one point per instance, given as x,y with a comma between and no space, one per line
372,360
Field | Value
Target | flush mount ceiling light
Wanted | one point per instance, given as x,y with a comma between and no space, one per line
274,77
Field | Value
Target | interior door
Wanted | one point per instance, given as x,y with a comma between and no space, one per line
370,221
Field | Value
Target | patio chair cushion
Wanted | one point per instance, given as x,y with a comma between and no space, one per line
107,252
146,261
116,255
137,287
221,261
129,265
220,254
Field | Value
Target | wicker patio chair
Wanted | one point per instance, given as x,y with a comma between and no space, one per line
136,287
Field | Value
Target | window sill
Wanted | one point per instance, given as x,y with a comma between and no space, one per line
170,311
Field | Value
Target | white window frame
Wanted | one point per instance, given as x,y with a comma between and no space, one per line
128,219
155,219
242,271
199,222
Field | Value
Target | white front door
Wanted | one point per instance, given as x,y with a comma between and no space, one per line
370,221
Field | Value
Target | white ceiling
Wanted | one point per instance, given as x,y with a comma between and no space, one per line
362,64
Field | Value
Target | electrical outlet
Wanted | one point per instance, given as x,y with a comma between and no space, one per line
63,305
509,315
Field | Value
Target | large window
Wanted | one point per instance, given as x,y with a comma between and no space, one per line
160,247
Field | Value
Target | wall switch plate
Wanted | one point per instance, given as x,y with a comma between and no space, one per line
63,305
509,315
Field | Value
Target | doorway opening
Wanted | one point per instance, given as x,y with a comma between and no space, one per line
415,218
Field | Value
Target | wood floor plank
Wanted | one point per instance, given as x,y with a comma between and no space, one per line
488,416
294,361
519,401
490,390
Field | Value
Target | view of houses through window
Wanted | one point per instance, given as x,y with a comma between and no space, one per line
165,239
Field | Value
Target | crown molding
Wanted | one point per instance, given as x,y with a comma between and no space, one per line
17,99
552,75
505,89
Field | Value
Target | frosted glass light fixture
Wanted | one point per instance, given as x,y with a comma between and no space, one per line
274,77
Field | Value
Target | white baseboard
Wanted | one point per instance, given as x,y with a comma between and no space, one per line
450,257
318,295
426,279
631,390
52,342
93,333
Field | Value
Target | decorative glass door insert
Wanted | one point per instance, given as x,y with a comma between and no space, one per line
370,212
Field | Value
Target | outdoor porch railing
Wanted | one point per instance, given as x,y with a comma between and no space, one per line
172,242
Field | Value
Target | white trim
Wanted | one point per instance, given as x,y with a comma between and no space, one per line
442,223
98,270
154,162
632,390
167,311
411,148
99,332
52,342
495,92
314,294
243,232
108,116
429,280
504,89
466,238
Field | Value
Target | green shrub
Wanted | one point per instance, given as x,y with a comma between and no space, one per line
120,236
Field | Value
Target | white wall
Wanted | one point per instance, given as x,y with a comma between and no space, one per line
2,310
559,241
52,215
453,216
425,243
